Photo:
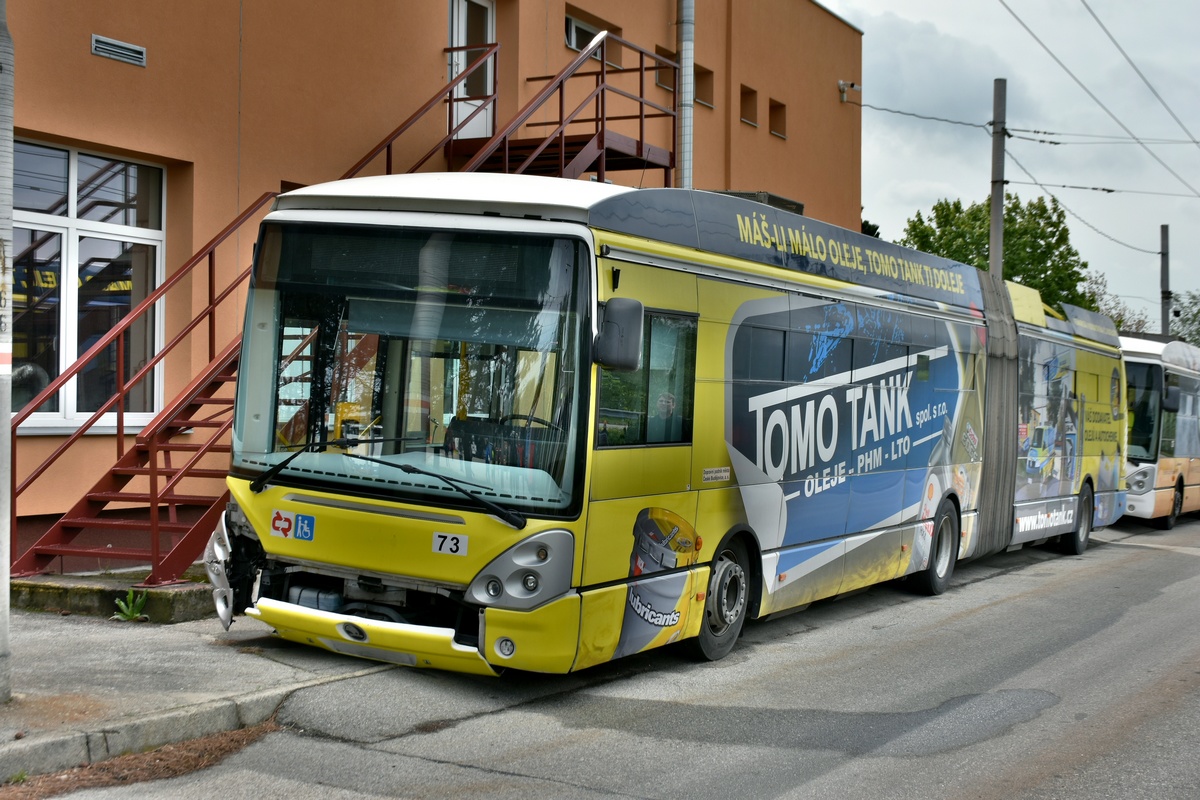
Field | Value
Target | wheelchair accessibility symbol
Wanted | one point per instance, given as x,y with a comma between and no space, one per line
286,525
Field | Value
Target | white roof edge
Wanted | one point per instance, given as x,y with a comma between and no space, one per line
461,192
1145,347
1177,354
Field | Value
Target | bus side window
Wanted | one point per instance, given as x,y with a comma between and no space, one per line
652,405
1170,420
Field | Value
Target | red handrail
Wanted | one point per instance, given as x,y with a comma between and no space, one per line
141,313
486,103
598,95
446,94
117,336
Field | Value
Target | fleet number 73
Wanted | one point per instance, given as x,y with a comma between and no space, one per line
450,544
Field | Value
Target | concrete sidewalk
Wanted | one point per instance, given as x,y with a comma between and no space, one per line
86,688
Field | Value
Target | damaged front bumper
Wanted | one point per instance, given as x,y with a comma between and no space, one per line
217,557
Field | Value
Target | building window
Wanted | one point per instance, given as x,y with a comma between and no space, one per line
704,86
749,106
777,118
88,239
582,27
664,77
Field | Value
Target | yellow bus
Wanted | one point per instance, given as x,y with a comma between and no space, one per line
489,422
1163,469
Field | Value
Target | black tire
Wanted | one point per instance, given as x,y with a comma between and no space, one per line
725,604
1168,522
943,552
1077,543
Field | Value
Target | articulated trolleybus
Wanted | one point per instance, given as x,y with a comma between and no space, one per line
1163,469
489,422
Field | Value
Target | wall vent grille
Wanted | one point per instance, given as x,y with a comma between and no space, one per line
120,51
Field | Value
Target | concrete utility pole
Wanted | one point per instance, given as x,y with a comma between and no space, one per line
6,293
1165,260
996,241
685,37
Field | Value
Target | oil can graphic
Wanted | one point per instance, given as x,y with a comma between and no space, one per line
664,544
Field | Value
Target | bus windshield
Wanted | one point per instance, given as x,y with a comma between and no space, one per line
1144,383
369,351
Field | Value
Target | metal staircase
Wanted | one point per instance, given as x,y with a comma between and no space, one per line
159,501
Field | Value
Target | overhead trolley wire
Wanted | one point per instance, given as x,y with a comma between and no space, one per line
983,125
1150,86
1097,100
1066,208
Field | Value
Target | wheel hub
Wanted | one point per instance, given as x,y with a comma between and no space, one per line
728,595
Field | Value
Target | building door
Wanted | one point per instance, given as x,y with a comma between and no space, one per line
472,22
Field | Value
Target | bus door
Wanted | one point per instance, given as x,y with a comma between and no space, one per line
641,533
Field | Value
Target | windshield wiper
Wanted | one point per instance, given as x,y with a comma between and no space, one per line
260,483
507,515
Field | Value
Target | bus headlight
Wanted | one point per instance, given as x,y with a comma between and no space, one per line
528,574
1140,481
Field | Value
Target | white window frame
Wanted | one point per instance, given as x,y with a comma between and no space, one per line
68,418
573,27
482,126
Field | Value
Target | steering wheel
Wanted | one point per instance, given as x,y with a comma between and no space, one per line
512,419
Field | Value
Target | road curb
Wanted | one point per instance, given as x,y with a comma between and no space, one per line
40,753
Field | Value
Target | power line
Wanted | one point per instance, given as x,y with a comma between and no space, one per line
1107,136
985,126
1034,181
1109,191
1096,100
1098,140
1149,85
1042,186
1115,139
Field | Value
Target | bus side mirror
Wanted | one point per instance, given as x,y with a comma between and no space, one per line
1170,401
619,343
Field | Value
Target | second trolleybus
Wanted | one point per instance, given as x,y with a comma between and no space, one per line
1163,469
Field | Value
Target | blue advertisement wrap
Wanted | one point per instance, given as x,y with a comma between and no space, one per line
846,418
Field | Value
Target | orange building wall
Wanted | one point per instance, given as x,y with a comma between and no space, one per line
242,96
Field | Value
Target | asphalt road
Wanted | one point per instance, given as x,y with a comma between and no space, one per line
1036,676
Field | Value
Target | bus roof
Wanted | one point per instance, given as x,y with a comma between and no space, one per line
1177,354
700,220
1136,346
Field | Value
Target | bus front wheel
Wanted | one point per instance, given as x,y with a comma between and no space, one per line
1168,522
943,552
725,603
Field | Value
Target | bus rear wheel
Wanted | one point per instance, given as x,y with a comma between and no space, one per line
1076,543
943,552
725,604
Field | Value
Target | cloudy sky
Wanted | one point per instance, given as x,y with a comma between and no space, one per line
940,58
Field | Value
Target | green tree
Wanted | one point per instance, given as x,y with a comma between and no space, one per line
1126,318
1187,325
1037,244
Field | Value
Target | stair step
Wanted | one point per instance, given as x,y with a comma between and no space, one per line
212,401
184,424
114,524
165,472
189,447
122,553
144,497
